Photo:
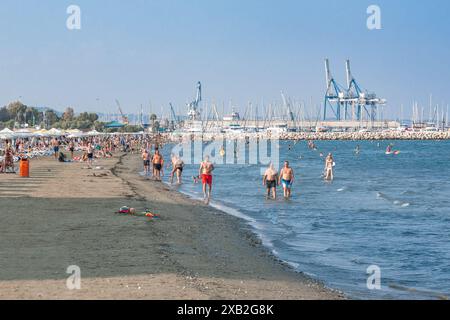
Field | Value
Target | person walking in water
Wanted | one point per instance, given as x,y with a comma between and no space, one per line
329,164
177,168
205,172
286,179
270,181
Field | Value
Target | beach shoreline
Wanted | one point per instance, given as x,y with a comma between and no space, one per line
192,252
320,136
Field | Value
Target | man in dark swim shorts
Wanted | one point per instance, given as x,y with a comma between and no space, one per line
158,162
270,181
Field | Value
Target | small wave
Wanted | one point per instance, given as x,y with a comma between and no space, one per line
293,264
405,205
426,293
395,202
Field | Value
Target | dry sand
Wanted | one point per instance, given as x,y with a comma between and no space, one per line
64,214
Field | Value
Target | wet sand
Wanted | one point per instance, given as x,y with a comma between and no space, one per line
65,215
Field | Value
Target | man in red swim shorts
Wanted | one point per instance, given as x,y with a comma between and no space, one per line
205,172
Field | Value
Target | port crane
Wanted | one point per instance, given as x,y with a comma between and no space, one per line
175,119
349,103
287,106
193,107
123,116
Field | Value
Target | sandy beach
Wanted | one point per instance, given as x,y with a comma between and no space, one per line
64,214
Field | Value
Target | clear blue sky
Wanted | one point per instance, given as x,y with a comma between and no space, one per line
242,50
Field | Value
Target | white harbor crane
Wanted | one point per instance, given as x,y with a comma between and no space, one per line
193,107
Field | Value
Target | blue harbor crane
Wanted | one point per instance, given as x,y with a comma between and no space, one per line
351,102
175,119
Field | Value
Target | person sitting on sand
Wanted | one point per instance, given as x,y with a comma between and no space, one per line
270,181
286,179
205,172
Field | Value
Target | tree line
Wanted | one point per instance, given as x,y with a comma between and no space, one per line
18,115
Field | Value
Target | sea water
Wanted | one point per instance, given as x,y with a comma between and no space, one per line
387,211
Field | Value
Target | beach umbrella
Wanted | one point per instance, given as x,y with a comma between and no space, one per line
75,133
55,132
93,133
40,133
23,133
6,134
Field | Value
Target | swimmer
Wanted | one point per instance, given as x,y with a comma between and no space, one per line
286,179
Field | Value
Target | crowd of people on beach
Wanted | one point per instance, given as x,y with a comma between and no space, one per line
87,149
64,149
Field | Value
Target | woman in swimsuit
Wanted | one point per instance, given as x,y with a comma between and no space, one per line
329,162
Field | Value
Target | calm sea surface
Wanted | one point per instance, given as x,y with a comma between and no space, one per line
388,211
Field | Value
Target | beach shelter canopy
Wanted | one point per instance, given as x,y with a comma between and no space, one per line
55,132
75,133
93,133
6,134
23,133
41,133
114,125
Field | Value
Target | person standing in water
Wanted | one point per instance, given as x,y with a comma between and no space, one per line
286,179
177,168
270,181
329,164
205,172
